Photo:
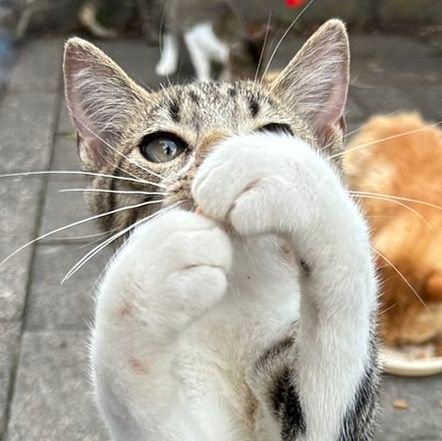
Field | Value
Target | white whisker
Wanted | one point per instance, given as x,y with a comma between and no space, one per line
401,276
394,202
103,190
400,198
85,236
307,6
74,224
107,242
261,56
388,138
76,172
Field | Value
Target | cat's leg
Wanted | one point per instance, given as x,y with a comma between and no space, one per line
168,274
169,55
278,184
204,46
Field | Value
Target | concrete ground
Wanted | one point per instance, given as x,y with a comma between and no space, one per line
44,390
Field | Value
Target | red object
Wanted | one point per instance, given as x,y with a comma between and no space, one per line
294,3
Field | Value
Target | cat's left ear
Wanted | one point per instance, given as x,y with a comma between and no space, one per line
102,100
315,83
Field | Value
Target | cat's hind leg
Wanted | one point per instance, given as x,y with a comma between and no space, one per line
169,55
171,271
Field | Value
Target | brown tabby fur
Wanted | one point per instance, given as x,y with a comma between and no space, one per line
407,166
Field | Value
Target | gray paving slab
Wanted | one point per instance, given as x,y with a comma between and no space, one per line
19,201
65,157
62,209
430,100
384,100
55,307
9,340
393,60
421,420
52,395
26,126
38,67
353,111
64,125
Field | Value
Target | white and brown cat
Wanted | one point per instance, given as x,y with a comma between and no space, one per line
245,308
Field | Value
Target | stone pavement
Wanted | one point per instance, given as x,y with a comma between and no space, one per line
45,394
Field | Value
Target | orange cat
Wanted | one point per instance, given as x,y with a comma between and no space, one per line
407,234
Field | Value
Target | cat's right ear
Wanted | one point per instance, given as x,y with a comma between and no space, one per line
101,98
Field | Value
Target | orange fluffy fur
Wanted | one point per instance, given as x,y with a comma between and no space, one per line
405,166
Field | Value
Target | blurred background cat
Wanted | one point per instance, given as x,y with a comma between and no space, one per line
212,30
399,178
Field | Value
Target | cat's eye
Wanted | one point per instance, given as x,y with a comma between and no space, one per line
276,128
162,147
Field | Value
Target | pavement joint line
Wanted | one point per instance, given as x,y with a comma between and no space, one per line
38,221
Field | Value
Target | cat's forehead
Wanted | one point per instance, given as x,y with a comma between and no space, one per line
215,104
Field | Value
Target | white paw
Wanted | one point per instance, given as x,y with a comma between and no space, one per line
181,255
165,68
263,183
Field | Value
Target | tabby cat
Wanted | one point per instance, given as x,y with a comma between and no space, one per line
242,305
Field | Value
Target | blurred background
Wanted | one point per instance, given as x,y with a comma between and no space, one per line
44,388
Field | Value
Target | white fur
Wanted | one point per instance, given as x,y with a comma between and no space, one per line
169,55
195,306
204,47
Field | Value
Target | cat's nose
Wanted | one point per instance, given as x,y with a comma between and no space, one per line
207,143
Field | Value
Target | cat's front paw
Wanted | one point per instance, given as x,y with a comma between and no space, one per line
179,259
259,183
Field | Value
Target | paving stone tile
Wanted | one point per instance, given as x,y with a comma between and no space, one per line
9,339
384,100
65,208
353,111
19,199
38,67
393,60
422,420
64,125
430,101
26,126
52,399
65,157
52,306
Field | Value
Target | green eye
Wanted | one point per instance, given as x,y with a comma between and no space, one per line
161,147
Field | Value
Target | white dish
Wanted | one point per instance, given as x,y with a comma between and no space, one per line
399,362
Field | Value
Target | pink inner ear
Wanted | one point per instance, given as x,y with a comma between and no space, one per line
331,113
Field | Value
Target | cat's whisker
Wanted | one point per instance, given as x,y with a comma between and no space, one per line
400,275
292,24
388,138
400,198
82,237
263,49
103,190
74,224
112,239
93,242
394,202
388,309
75,172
